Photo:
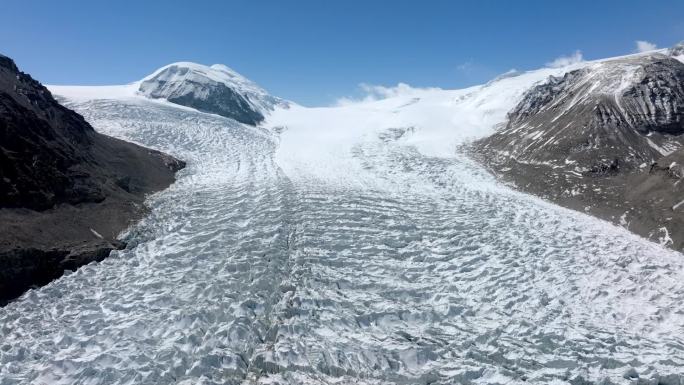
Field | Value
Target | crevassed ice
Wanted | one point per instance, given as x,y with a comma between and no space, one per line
405,268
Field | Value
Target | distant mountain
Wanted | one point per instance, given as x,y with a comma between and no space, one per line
216,89
606,138
66,191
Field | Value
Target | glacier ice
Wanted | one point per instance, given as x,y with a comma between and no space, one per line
372,253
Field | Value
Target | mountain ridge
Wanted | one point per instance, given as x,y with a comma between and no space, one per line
605,139
66,191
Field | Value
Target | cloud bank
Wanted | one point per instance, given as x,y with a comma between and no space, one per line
644,46
376,92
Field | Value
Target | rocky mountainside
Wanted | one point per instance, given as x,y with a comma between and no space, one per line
65,190
36,164
604,139
216,89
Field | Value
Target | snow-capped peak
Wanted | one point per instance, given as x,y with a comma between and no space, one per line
215,89
199,73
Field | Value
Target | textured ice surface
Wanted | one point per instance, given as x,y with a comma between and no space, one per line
259,266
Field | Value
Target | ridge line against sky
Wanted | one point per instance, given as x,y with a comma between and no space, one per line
314,52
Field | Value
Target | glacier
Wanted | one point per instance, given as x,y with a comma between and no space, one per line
348,245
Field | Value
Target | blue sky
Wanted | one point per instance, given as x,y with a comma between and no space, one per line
314,52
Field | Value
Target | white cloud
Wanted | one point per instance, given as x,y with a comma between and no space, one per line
376,92
644,46
382,92
566,60
465,66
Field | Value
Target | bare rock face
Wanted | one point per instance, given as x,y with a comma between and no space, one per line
66,191
39,146
49,154
598,140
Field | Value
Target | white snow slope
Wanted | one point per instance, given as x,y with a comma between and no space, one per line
349,245
185,78
178,79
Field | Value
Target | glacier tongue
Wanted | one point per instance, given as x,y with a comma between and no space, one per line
373,255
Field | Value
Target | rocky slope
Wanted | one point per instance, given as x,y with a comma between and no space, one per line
65,190
216,89
605,139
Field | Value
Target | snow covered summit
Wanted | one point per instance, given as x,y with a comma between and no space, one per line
216,89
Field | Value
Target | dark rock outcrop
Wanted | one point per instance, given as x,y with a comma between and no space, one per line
66,191
597,140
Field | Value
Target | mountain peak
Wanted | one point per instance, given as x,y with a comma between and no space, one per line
214,89
8,63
